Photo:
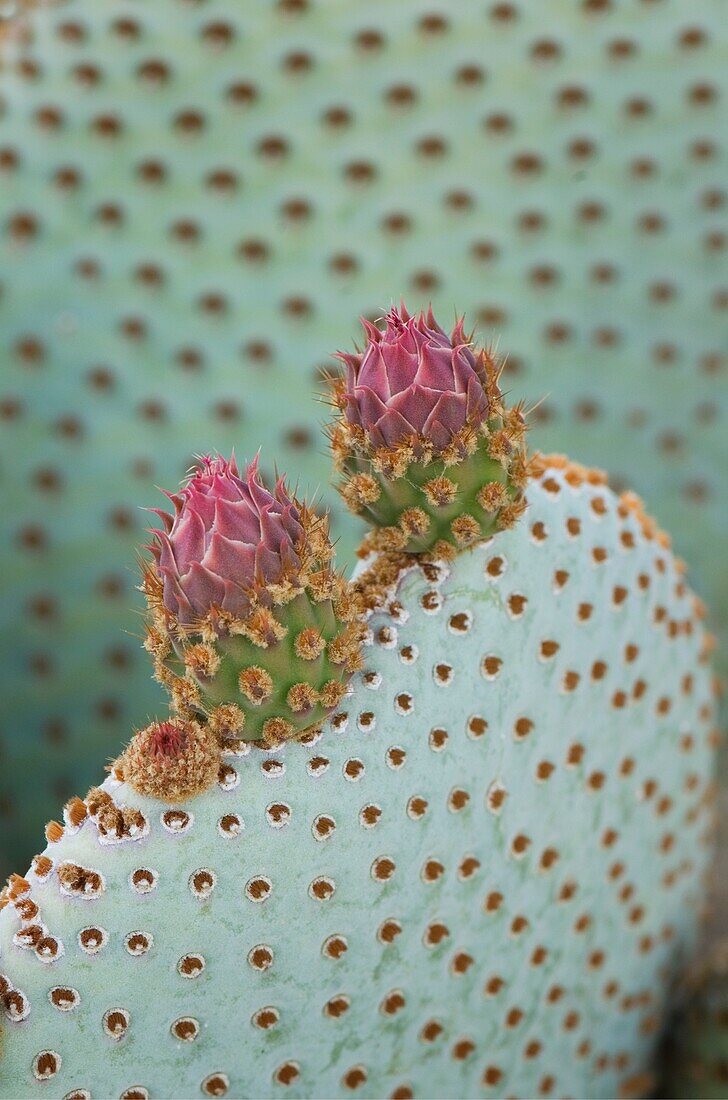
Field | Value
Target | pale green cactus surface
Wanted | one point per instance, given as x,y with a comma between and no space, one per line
479,879
197,200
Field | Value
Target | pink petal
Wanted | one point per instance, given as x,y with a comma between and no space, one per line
165,517
428,320
199,501
235,600
373,372
351,410
450,412
187,538
401,366
174,596
227,559
436,368
267,563
457,336
438,435
391,429
415,405
463,370
238,521
369,405
272,530
165,551
371,332
202,588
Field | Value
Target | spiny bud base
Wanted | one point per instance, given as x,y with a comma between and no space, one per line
279,684
436,506
173,759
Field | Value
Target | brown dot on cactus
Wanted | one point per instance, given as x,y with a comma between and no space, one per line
491,667
417,807
432,870
317,766
46,1065
64,998
458,799
366,721
383,868
468,867
404,703
323,827
227,777
438,739
202,883
337,1006
370,815
116,1023
496,796
176,821
191,966
393,1003
266,1018
278,814
287,1073
260,957
431,1031
215,1084
230,825
355,1077
353,769
322,888
143,880
186,1029
258,889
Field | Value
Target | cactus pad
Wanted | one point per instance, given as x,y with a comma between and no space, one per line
478,879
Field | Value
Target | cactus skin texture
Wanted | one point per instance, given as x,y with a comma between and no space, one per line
567,195
479,879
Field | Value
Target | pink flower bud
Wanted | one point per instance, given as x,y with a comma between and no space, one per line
413,382
228,538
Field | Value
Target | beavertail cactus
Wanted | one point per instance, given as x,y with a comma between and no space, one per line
249,624
427,448
479,877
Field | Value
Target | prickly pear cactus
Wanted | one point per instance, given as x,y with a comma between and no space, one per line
696,1062
196,203
477,879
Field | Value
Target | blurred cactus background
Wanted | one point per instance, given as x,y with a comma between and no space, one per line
197,201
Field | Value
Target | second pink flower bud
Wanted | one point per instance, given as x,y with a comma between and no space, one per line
413,383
